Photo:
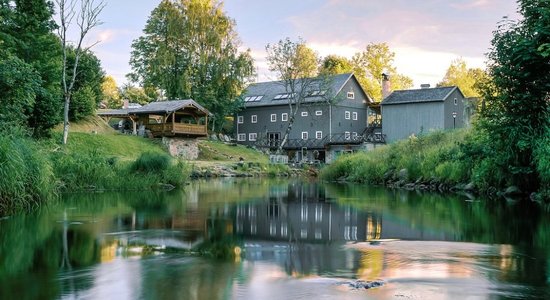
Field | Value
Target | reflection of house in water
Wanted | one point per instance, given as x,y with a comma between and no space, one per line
302,212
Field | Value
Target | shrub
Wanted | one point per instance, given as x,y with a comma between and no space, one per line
150,162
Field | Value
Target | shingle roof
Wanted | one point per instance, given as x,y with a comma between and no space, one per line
163,107
268,91
419,95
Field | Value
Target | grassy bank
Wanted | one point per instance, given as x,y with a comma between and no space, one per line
436,157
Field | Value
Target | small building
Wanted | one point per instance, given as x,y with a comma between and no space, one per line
165,118
332,119
418,111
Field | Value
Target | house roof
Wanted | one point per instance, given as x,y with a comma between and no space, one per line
273,92
160,107
419,95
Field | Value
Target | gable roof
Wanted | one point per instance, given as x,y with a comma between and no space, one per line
265,93
420,95
159,107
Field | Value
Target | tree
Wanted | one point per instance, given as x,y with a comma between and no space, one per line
135,95
86,19
111,94
369,65
190,50
465,78
516,117
294,65
334,64
26,33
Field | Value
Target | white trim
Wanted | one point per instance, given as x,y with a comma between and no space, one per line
318,112
304,135
347,115
354,115
252,136
318,135
284,117
240,120
273,117
241,137
304,114
350,95
254,119
347,135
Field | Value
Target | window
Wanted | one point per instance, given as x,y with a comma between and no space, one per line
273,117
254,118
318,112
241,137
253,98
318,135
252,136
304,114
347,135
351,95
284,117
347,114
304,135
354,135
354,114
240,119
456,101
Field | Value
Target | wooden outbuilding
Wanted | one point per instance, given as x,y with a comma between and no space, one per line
165,118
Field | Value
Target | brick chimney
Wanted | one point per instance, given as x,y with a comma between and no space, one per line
386,85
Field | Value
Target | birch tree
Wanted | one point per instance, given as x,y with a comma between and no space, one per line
296,66
86,15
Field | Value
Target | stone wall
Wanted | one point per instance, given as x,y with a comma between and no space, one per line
186,148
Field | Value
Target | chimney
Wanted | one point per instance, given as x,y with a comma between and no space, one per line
125,104
425,86
386,85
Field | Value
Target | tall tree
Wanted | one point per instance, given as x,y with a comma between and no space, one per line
87,18
189,49
369,65
516,117
26,32
465,78
334,64
111,93
295,64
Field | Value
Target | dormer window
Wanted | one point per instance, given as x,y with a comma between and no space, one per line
351,95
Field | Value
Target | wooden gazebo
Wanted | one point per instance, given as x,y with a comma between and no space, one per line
166,118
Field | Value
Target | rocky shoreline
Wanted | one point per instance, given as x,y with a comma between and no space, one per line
249,169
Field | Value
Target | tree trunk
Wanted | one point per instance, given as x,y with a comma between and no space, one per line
66,119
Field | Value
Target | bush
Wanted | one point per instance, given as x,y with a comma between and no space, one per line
151,162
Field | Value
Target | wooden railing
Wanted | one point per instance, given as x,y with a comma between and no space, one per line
177,128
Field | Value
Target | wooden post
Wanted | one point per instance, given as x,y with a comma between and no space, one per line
134,130
206,125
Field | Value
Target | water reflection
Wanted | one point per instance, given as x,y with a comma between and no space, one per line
300,239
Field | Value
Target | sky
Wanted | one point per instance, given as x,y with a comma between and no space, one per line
426,35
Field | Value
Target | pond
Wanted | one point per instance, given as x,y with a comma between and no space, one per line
296,239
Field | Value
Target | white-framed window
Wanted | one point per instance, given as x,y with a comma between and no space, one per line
351,95
318,112
241,137
347,135
284,117
273,117
347,115
240,119
318,135
304,135
254,119
354,135
456,101
354,115
252,136
304,114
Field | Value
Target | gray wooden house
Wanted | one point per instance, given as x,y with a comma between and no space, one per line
332,119
417,111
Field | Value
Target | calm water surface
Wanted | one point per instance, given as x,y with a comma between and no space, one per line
298,240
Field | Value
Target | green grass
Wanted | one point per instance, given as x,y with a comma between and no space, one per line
434,156
219,151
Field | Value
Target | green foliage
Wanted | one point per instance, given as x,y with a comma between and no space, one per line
111,94
149,162
27,178
19,86
190,50
465,78
334,64
434,156
516,116
82,104
135,95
